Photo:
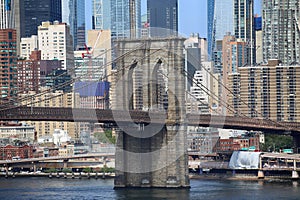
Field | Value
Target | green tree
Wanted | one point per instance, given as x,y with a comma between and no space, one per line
277,142
51,170
108,134
87,170
66,170
105,137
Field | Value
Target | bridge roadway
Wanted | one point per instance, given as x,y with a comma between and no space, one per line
31,160
145,117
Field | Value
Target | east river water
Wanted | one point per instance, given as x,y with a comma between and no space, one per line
63,189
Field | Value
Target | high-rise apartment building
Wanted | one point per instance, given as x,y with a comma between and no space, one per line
226,54
74,15
220,21
217,57
29,73
8,65
226,58
244,27
55,42
238,55
195,55
26,15
281,30
122,17
163,17
199,99
52,99
262,91
28,45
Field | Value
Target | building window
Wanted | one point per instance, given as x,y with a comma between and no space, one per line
10,35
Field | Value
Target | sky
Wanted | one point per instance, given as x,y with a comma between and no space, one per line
192,15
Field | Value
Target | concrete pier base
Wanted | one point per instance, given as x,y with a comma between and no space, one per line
261,174
168,169
295,175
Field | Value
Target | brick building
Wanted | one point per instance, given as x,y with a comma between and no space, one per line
244,142
29,73
8,65
8,152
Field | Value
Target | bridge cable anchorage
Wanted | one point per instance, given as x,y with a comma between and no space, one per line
7,106
241,100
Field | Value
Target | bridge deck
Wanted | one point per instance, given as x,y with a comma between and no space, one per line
135,116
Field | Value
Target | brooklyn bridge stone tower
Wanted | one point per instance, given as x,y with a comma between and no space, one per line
149,76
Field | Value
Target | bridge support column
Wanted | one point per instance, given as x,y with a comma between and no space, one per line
295,175
296,142
34,167
155,154
66,163
260,174
6,171
157,161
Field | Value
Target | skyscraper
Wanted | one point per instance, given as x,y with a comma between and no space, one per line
163,17
244,27
220,21
101,18
125,14
120,16
55,42
281,28
74,15
8,66
26,15
7,13
210,21
34,12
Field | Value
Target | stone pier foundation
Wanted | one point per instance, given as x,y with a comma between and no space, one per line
159,161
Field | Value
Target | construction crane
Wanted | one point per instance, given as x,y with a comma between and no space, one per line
89,54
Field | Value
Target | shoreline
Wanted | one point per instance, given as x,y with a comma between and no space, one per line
61,175
191,176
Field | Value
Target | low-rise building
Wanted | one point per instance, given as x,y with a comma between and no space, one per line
10,152
249,141
17,131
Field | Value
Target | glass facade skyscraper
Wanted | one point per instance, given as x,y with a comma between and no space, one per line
210,22
163,17
220,21
74,15
117,15
244,27
34,12
101,18
6,14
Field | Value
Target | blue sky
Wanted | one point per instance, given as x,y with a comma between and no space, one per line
192,15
